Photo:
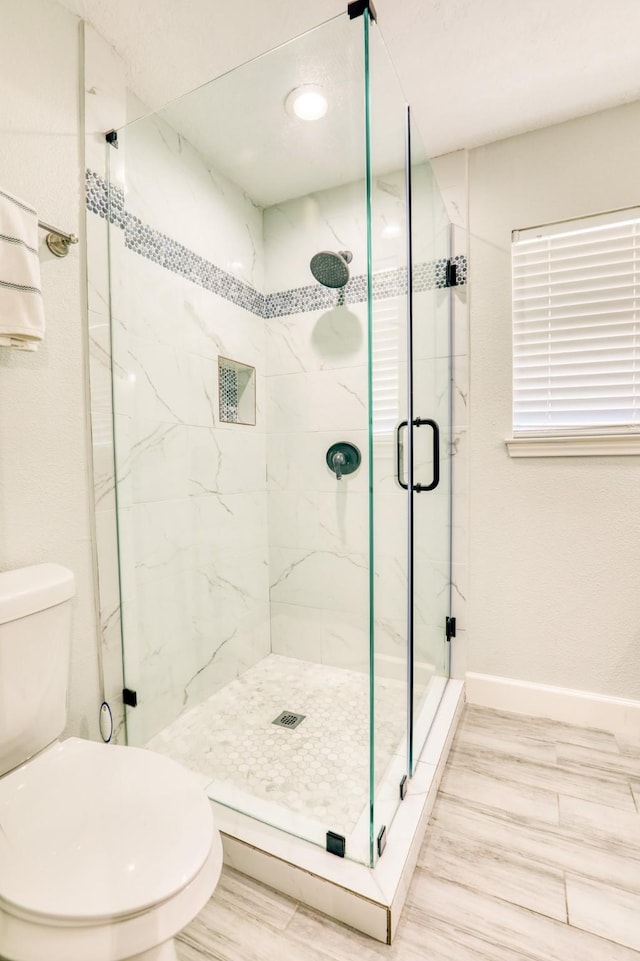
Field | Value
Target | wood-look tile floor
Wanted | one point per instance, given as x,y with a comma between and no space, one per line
533,852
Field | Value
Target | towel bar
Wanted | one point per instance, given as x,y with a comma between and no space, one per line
57,240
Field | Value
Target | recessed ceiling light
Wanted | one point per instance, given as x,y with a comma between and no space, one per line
307,102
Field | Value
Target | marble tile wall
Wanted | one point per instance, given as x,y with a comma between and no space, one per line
317,384
192,501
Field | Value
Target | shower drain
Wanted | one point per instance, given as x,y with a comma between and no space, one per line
289,719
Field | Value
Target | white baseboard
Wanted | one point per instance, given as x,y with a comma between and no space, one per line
582,708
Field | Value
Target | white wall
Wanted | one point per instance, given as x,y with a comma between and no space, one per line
555,542
44,473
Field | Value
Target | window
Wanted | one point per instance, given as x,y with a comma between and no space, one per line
385,367
576,326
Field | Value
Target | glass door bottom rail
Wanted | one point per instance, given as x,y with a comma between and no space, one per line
307,778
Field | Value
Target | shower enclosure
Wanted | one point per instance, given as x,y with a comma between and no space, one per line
282,437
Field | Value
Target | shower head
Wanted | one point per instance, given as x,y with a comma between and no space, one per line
331,269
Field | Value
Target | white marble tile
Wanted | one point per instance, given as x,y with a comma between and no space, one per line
432,335
333,638
160,382
103,465
171,187
432,531
333,219
161,535
345,640
607,911
432,378
343,521
100,361
390,522
107,546
319,578
297,631
170,310
293,519
391,644
98,275
317,340
158,461
461,391
390,586
122,429
328,400
229,523
385,471
201,389
298,461
226,460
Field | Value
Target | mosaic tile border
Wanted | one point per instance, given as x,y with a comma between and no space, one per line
107,201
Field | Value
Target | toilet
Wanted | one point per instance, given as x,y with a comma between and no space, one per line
106,852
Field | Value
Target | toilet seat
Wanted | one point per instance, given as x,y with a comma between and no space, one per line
92,832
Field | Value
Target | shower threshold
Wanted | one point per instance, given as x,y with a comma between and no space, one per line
367,899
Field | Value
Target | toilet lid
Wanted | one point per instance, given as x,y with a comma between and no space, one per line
94,830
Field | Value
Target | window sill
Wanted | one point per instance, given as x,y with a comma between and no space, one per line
585,445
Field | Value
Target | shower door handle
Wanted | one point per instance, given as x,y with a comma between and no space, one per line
419,422
399,428
422,422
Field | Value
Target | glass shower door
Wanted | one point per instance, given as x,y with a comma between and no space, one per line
431,455
410,417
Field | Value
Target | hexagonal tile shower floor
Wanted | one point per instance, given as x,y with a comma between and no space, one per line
314,774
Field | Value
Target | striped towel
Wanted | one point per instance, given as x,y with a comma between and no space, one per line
21,304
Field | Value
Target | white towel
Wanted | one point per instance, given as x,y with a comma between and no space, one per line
21,304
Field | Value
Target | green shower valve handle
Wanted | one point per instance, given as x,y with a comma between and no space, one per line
343,458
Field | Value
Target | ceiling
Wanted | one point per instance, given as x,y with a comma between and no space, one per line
474,71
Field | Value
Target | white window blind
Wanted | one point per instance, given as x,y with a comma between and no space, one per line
576,325
386,366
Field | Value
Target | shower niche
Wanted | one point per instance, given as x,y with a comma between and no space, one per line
236,392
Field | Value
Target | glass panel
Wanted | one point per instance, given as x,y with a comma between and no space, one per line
244,558
388,367
432,400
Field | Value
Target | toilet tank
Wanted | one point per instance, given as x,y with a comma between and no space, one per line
35,639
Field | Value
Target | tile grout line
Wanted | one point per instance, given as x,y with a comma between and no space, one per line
566,898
